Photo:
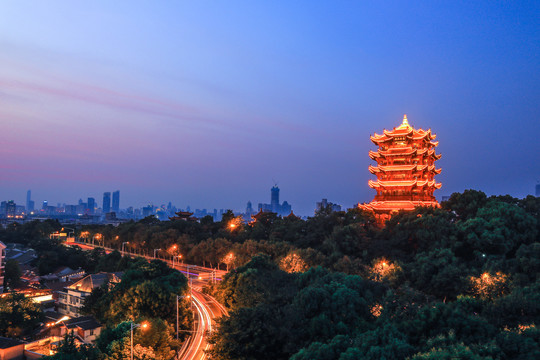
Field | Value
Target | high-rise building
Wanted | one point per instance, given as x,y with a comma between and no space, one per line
537,190
11,209
29,202
249,209
106,202
116,201
274,198
405,170
91,205
274,206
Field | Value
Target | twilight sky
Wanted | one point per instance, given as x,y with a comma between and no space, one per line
207,103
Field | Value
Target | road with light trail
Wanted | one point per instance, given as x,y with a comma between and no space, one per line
205,308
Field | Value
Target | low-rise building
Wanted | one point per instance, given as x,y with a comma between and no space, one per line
87,328
71,300
11,349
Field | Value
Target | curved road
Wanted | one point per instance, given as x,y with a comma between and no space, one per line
205,308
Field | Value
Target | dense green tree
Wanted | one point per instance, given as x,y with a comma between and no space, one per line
12,275
498,229
465,204
407,233
70,350
439,273
18,315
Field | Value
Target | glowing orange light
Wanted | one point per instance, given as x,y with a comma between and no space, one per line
376,310
488,286
383,269
145,325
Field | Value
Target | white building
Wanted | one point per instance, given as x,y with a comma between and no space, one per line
71,300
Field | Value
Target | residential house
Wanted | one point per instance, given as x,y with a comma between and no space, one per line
71,300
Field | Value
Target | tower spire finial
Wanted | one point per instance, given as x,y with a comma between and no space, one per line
405,122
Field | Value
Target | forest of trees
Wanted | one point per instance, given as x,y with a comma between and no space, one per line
461,281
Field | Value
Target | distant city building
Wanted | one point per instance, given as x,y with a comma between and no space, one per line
29,202
10,209
274,206
249,209
91,205
537,190
45,205
71,209
116,201
274,198
106,202
325,204
147,210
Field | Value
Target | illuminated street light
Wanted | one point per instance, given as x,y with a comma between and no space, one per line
143,325
99,238
178,257
177,315
71,232
127,242
229,259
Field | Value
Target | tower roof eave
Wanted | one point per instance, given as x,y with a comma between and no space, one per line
376,138
374,169
374,154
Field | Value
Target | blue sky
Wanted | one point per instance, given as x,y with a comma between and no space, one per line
208,103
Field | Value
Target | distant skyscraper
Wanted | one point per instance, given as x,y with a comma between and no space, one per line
106,202
91,205
274,198
274,206
11,209
537,190
29,202
116,201
249,209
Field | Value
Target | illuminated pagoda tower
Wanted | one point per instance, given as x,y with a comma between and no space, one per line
405,170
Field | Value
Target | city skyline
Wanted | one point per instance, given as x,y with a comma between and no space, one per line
284,92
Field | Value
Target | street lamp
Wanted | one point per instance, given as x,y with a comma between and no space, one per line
72,231
155,251
124,243
99,238
143,325
177,315
177,261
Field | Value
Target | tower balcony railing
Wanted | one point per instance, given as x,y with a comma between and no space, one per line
404,198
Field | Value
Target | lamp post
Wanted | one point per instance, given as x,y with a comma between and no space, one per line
177,314
71,232
99,238
124,243
178,257
155,251
144,325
